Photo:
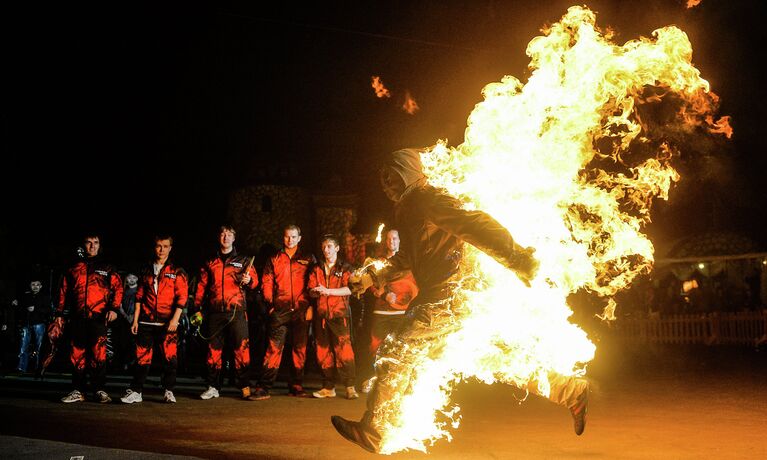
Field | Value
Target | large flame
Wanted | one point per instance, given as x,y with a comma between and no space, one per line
556,162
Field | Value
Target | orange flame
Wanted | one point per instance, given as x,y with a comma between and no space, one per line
410,106
531,159
379,88
693,3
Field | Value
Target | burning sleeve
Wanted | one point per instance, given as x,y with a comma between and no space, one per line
478,229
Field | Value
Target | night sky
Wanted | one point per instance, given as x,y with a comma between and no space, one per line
153,113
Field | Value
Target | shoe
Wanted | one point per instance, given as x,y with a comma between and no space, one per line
355,432
579,411
325,393
103,397
169,397
210,393
351,393
367,385
260,394
249,395
298,391
74,396
131,397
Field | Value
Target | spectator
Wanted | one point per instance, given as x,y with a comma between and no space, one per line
34,313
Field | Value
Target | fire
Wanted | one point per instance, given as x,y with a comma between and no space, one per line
380,231
693,3
562,161
410,106
379,88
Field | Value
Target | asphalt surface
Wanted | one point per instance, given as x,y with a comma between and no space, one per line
648,403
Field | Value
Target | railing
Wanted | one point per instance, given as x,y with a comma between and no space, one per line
736,328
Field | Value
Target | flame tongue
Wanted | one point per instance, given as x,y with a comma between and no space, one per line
529,160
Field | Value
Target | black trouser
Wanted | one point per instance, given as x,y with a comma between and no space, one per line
284,325
334,351
89,351
233,325
147,337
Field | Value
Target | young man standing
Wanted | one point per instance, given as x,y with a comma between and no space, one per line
284,289
160,299
92,291
223,280
329,283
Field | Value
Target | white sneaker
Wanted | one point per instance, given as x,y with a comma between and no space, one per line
74,396
351,393
325,393
103,397
131,397
210,393
169,398
367,385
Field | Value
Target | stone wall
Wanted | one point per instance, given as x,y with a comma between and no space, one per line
260,212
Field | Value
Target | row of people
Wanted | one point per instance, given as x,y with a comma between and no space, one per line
298,288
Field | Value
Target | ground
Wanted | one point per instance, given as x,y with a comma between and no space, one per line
662,402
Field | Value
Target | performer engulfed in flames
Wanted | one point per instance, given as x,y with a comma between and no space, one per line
566,163
434,226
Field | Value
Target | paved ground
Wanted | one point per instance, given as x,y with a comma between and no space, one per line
653,403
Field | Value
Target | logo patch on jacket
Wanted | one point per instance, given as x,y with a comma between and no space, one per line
303,262
170,275
236,264
102,272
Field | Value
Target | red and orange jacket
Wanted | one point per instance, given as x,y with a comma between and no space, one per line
172,292
284,281
220,282
404,287
331,306
89,289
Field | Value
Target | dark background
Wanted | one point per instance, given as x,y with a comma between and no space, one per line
129,118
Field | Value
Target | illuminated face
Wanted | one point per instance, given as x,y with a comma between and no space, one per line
392,184
330,250
92,246
226,240
392,241
162,249
35,286
291,238
132,280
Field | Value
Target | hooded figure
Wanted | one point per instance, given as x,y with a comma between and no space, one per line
433,227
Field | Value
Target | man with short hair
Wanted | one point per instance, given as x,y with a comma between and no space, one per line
91,291
160,299
34,314
284,290
329,284
221,288
390,304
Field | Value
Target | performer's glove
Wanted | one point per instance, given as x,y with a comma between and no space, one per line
525,265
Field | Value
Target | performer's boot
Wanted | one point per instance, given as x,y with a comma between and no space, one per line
579,411
571,392
360,433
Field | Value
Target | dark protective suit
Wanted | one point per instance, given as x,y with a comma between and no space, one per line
433,227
